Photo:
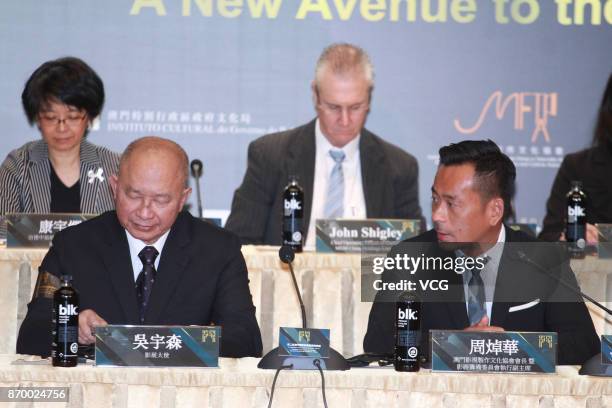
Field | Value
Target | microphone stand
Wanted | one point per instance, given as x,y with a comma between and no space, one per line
196,172
592,366
200,210
272,359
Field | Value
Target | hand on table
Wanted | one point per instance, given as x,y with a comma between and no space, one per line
592,235
483,325
88,319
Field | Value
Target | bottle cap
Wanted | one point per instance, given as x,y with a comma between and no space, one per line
66,278
576,183
407,297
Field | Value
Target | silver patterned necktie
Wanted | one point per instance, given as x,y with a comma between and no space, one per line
334,203
476,295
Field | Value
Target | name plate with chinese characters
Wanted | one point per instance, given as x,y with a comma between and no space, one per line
493,352
157,346
363,236
37,230
298,342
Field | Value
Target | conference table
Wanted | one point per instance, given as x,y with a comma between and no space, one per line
239,383
330,285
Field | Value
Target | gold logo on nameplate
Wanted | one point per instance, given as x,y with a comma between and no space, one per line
209,335
304,335
545,340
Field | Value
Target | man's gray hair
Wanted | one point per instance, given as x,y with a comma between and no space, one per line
342,58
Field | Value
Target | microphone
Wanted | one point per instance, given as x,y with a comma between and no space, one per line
287,255
592,366
197,168
272,359
523,257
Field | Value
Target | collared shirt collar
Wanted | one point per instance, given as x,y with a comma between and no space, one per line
137,245
495,251
323,146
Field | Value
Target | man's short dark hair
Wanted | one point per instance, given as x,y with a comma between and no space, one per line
495,173
68,80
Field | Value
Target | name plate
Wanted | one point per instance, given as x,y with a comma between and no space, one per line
493,352
37,230
157,346
606,349
363,236
298,342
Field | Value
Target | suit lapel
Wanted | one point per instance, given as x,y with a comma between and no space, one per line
172,265
38,182
457,313
499,310
119,266
89,188
457,310
372,174
302,156
508,275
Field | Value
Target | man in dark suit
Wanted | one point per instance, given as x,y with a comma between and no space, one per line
378,180
471,196
148,262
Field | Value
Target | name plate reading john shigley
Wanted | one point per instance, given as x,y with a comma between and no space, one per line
363,236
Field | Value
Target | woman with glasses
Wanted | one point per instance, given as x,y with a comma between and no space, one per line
63,172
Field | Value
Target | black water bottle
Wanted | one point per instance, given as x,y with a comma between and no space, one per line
407,332
65,324
293,215
575,228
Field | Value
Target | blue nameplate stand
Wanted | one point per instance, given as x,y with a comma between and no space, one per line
157,346
493,352
304,349
600,365
371,236
37,230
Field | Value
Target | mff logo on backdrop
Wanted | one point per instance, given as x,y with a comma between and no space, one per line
537,105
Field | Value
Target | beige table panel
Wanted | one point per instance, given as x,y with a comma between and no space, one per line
238,383
18,272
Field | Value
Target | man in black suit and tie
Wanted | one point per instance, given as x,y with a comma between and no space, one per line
345,170
148,262
471,197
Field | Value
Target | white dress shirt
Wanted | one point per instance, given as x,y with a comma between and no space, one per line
354,200
137,245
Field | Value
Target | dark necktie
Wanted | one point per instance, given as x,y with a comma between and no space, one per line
145,280
476,295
